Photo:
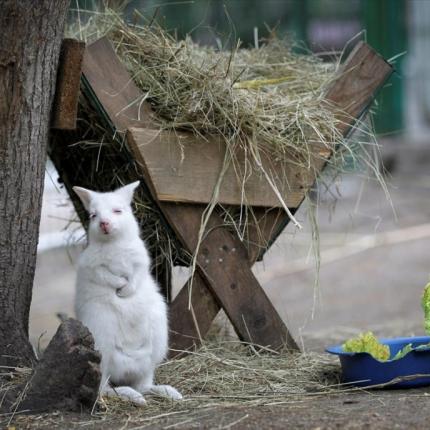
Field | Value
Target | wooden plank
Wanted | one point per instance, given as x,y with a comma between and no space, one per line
187,326
182,168
65,106
360,77
114,88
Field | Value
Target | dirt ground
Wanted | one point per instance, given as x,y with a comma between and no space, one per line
377,410
375,263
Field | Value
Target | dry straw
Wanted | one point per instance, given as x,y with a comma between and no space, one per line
221,374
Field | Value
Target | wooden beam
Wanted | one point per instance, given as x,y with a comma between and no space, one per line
189,326
360,77
182,168
65,106
118,96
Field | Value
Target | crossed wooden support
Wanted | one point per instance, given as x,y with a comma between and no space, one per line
223,278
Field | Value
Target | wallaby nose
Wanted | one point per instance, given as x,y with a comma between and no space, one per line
104,226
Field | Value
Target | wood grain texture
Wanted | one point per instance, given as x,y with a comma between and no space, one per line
188,326
114,87
65,107
360,77
182,168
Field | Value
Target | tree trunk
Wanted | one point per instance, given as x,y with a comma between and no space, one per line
31,34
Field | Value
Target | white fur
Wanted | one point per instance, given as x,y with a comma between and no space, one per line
119,301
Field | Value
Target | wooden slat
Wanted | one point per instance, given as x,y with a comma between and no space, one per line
65,106
186,326
114,88
182,168
360,77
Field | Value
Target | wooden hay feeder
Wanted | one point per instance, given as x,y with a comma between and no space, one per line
181,186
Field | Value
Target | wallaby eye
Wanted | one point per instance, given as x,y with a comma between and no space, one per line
92,215
117,211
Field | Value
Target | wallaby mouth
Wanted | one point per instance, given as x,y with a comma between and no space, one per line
105,229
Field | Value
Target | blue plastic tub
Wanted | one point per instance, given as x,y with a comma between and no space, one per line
363,370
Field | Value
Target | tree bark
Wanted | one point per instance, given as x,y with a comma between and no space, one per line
29,49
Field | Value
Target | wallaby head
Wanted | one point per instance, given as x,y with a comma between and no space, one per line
110,213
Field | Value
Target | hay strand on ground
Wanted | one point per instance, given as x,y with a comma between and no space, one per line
224,374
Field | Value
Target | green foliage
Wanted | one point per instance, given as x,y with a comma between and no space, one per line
405,350
425,303
367,342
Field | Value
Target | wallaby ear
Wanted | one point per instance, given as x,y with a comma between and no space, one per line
127,190
85,196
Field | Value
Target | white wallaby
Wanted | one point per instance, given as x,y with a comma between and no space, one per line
118,300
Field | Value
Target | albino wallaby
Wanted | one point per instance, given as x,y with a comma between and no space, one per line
118,300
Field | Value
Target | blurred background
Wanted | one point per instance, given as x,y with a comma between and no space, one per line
375,257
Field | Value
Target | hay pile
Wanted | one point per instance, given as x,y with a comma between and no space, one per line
266,99
221,374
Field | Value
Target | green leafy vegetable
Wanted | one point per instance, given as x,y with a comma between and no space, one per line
425,302
367,342
405,350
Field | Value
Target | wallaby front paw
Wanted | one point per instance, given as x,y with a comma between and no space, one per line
125,291
122,282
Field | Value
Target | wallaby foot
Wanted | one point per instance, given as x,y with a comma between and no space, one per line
125,393
162,391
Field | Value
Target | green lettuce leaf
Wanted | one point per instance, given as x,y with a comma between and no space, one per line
367,342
